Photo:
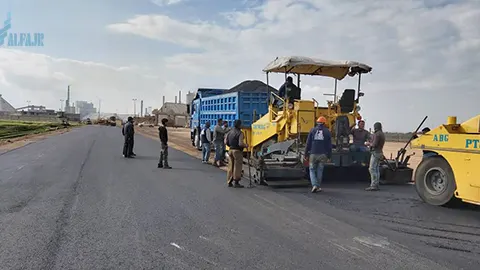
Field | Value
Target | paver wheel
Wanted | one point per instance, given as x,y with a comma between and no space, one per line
435,181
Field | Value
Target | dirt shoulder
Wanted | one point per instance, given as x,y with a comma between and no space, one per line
7,145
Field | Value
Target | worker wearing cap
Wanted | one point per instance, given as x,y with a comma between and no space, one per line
318,152
234,140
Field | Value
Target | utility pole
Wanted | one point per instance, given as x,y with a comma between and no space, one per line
99,106
67,104
134,107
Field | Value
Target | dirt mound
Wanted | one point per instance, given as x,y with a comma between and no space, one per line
251,86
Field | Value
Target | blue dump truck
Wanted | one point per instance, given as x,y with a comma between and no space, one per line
247,101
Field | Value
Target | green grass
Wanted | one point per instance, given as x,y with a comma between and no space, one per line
13,129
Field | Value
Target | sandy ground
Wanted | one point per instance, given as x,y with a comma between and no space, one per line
179,138
11,144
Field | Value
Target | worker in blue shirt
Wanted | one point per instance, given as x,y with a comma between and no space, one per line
318,152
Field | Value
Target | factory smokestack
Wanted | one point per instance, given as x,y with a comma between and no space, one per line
67,102
175,99
163,102
179,96
141,108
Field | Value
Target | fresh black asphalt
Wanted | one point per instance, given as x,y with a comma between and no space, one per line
73,202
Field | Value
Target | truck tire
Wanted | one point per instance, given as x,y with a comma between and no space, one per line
435,181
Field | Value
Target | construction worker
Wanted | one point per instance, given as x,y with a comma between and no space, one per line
360,137
288,90
218,141
234,140
206,138
133,137
227,129
163,134
318,152
128,133
376,148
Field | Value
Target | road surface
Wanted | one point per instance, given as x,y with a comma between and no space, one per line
73,202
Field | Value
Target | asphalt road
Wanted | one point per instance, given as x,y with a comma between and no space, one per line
73,202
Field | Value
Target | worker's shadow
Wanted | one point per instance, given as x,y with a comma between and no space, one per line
459,205
146,158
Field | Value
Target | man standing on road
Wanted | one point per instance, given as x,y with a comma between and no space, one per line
162,133
318,152
376,148
227,129
206,138
234,140
128,133
360,137
133,138
218,141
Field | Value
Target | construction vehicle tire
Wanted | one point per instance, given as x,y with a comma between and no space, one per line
435,181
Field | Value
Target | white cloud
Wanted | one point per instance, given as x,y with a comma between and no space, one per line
243,19
423,53
164,28
166,2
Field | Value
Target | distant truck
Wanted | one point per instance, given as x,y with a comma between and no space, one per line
112,121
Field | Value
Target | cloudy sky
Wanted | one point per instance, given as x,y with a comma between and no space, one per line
424,53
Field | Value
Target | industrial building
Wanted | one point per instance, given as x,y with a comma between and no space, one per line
85,108
176,112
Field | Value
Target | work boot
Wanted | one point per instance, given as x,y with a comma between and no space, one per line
160,165
372,188
167,167
237,185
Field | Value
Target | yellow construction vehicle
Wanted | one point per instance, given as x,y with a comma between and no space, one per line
450,168
277,140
